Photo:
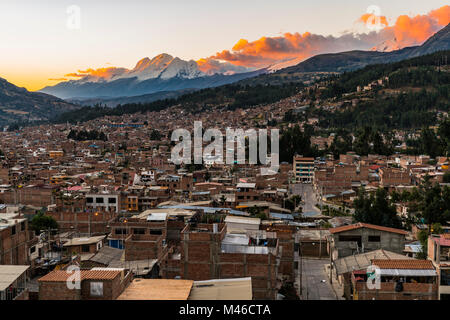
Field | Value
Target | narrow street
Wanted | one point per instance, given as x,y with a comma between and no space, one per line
307,193
313,278
315,284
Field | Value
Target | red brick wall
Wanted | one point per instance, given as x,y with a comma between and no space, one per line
13,248
57,291
411,291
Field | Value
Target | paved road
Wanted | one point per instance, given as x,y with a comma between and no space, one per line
313,287
307,193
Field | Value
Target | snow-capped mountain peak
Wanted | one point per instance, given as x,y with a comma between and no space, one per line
387,46
164,66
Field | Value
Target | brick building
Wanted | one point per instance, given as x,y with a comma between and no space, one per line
208,252
439,254
94,284
391,177
339,178
399,280
14,236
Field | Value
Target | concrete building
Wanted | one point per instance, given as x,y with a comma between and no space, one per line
439,254
303,169
208,252
103,202
399,280
363,237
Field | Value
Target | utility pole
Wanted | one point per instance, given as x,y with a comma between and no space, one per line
301,267
331,265
320,243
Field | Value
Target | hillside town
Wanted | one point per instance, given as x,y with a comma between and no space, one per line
104,197
234,159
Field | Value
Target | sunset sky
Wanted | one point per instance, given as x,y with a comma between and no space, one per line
37,48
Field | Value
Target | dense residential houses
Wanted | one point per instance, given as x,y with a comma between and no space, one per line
140,227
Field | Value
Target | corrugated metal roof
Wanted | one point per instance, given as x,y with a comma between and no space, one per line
222,289
408,272
9,274
106,255
364,260
246,185
160,216
281,216
82,241
246,220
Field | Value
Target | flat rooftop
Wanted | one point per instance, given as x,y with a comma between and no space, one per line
157,289
222,289
9,274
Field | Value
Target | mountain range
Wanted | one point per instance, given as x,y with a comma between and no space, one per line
165,77
162,73
165,73
18,104
352,60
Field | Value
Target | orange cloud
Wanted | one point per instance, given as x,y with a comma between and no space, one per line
407,31
100,73
74,74
442,15
57,79
370,18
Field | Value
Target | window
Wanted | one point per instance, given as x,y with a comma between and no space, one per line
445,277
99,200
22,226
85,248
121,231
374,238
13,230
139,231
350,238
32,249
96,289
89,200
111,200
156,232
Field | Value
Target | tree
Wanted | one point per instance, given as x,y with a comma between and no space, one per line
223,200
361,145
446,177
376,209
43,222
429,143
155,135
294,141
435,204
